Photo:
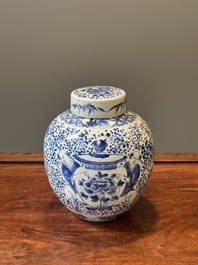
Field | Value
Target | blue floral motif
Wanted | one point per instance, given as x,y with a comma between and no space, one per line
98,187
102,190
98,92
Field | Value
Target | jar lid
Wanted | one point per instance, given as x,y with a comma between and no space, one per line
98,102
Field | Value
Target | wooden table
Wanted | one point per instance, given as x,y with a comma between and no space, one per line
162,228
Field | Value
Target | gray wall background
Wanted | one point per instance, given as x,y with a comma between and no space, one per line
147,47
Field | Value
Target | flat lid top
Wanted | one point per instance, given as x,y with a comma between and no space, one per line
98,102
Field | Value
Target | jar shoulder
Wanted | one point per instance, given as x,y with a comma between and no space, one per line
128,120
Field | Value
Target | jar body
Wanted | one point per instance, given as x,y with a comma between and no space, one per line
98,167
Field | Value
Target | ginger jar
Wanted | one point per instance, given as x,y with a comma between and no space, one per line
98,155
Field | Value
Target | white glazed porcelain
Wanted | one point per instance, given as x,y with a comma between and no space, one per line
98,155
98,102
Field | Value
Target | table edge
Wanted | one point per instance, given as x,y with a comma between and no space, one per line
38,157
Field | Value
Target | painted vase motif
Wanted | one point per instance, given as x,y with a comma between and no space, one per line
98,155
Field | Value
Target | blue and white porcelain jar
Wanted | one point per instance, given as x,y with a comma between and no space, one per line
98,155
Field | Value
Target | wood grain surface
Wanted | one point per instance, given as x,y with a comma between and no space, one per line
162,228
38,157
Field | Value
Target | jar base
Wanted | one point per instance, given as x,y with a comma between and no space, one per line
98,219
